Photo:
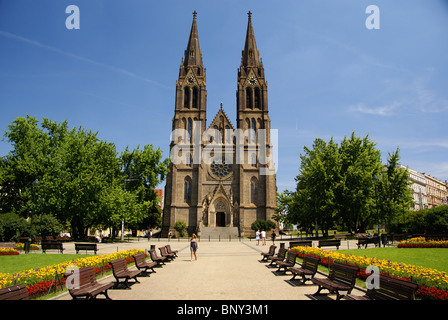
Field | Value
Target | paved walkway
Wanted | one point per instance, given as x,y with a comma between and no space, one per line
223,271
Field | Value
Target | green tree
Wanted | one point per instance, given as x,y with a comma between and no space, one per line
78,178
360,161
142,171
393,190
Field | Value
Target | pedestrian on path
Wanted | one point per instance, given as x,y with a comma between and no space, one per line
263,237
273,235
257,236
193,247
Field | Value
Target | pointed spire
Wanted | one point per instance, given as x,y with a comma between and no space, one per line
251,56
193,54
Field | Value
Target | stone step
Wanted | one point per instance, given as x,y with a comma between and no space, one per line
219,233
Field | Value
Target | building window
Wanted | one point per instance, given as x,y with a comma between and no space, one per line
253,160
249,98
195,98
187,190
253,190
187,97
257,98
190,130
253,131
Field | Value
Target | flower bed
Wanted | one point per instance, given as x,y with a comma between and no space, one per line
8,252
421,242
21,246
38,281
433,283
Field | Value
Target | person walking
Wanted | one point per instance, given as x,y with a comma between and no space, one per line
193,247
273,236
263,237
257,236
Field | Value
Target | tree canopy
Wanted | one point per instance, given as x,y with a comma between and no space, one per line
78,178
336,186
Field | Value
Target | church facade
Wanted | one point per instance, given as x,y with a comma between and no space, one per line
221,175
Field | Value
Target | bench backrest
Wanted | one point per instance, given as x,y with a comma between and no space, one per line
330,242
153,254
52,243
310,263
163,251
86,276
85,245
118,265
291,258
393,289
282,253
7,245
139,258
343,272
303,243
272,250
17,292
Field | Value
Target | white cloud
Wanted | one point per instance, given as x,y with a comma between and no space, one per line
80,58
385,110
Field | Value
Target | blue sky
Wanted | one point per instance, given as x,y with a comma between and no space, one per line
328,75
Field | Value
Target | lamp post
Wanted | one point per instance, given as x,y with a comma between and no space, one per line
26,246
404,216
375,180
122,221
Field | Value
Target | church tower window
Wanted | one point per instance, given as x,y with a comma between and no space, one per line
249,98
253,190
257,98
195,98
187,97
187,190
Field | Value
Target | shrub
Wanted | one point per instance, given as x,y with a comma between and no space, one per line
180,227
263,225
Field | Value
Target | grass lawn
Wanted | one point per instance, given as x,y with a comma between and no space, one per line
434,258
22,262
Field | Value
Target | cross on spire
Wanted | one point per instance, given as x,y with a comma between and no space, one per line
194,14
249,14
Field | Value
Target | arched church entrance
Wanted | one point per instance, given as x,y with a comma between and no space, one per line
220,219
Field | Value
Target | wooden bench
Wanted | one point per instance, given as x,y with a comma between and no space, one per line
329,243
142,264
17,292
164,253
7,245
307,270
301,243
340,280
389,289
268,254
51,245
86,246
158,260
88,286
340,236
168,248
365,241
121,271
279,257
290,261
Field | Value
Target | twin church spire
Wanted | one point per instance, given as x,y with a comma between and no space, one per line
191,93
193,53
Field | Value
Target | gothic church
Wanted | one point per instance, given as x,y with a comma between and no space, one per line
227,192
